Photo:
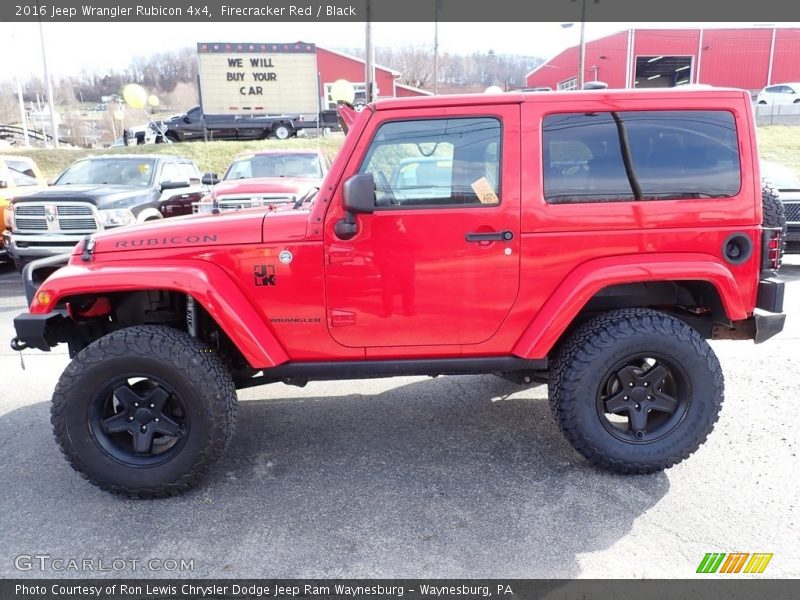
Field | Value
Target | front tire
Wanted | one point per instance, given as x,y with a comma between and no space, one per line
636,390
144,411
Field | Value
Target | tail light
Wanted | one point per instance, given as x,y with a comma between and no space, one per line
771,248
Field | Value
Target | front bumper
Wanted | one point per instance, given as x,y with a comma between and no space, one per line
38,331
28,247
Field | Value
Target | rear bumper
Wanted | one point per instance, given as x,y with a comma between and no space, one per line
768,316
767,325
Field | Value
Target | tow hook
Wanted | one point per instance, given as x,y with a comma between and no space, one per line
18,345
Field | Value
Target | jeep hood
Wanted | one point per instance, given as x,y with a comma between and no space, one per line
102,196
224,229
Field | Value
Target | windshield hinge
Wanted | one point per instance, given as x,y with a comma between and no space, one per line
88,248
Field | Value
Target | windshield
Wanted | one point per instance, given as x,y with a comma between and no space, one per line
120,171
21,179
275,165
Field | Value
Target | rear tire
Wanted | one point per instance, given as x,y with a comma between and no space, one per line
282,132
144,411
636,390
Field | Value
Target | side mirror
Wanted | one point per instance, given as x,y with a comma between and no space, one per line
359,194
359,198
174,185
3,184
186,119
210,179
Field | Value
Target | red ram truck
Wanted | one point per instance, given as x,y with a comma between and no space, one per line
592,241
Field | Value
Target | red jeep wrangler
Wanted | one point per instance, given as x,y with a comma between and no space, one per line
589,240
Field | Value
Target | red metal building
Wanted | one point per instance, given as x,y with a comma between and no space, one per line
335,65
742,58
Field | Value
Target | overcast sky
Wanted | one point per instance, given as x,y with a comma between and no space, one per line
73,46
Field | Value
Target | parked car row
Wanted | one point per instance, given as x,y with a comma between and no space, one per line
104,192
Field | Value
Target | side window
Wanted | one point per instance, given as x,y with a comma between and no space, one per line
644,155
22,167
437,162
188,172
169,172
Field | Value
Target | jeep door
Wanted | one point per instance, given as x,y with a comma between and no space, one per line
437,261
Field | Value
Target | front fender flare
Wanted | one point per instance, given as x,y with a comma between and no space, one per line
207,283
559,311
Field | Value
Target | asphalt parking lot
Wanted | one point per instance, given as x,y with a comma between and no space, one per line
415,477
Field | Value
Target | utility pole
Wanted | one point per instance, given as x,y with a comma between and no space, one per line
23,116
369,76
437,5
49,89
582,49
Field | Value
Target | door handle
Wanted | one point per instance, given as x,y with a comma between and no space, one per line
490,236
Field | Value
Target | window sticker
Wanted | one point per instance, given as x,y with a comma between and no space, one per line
483,189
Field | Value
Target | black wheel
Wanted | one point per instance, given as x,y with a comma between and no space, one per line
171,136
281,132
773,212
144,411
636,390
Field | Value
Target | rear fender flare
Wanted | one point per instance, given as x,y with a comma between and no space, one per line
569,298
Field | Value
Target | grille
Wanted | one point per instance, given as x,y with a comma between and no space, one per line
30,211
237,203
31,224
792,211
54,218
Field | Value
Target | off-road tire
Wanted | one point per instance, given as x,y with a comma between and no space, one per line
593,348
198,377
773,212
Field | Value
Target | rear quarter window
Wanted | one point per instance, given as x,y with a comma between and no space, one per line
639,155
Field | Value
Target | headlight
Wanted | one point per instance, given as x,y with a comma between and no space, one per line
8,217
116,217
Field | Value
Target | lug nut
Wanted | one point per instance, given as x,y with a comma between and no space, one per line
157,421
152,405
144,428
646,384
625,398
638,407
630,384
136,404
130,418
649,397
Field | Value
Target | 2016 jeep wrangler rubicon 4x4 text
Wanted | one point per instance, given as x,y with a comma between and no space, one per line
592,241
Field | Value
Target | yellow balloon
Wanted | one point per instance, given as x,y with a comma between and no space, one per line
343,91
135,95
152,100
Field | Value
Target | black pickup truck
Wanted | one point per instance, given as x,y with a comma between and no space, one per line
194,125
97,193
